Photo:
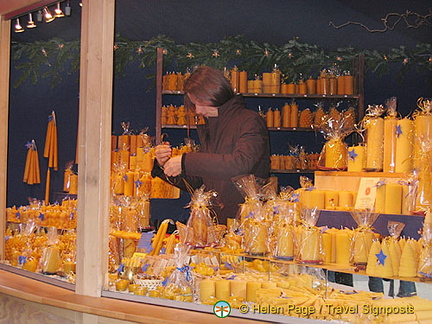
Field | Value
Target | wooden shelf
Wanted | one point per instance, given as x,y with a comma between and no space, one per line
292,171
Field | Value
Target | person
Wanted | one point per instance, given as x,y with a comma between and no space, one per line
234,141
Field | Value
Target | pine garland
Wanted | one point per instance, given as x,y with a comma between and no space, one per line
51,59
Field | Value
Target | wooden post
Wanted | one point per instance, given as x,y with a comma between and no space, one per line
5,30
95,110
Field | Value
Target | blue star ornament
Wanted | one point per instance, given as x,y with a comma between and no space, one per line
398,130
381,257
352,155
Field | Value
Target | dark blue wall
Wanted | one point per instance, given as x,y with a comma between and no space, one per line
274,22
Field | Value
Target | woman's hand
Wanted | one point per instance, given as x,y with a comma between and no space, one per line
163,153
173,167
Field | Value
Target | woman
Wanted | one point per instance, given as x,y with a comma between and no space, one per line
233,141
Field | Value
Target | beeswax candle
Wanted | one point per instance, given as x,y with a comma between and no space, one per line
389,149
356,158
374,144
404,145
207,289
393,199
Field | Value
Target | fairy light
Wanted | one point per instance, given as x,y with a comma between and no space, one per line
18,27
31,23
58,12
48,15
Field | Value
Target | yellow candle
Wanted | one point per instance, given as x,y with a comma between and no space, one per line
51,260
343,247
250,86
389,152
380,199
276,118
258,86
336,154
268,285
269,117
346,199
356,158
374,144
311,245
294,115
327,247
147,162
251,289
238,288
133,162
406,200
73,188
259,240
286,116
133,144
235,79
331,199
222,289
124,158
423,132
207,289
404,145
318,198
243,82
128,183
362,244
393,201
284,242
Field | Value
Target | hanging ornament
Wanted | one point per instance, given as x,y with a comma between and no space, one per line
190,55
215,53
165,51
290,55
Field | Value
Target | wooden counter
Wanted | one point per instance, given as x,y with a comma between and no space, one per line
34,291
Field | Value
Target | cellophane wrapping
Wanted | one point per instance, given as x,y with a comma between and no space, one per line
179,284
252,215
309,238
373,124
335,151
363,235
425,265
200,227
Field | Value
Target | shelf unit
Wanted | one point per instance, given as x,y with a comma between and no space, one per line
358,73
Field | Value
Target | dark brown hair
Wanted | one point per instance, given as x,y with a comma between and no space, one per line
208,85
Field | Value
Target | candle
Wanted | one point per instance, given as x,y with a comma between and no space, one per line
276,118
294,115
243,86
341,84
393,198
269,118
343,247
389,144
207,289
327,247
406,200
238,288
51,260
66,179
147,162
356,158
251,289
423,132
311,245
251,86
317,199
268,285
284,241
374,144
362,243
380,199
222,289
73,188
302,88
267,82
123,142
258,86
311,86
346,199
331,199
113,142
259,238
286,115
235,79
284,88
124,158
128,188
404,145
335,154
133,144
349,84
291,88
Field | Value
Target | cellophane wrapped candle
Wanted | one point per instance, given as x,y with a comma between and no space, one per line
283,231
309,240
373,124
392,242
389,147
423,152
200,227
334,153
179,284
254,225
363,235
425,260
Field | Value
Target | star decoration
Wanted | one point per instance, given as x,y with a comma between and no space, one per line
190,55
125,178
41,216
398,130
352,155
381,257
138,183
295,197
380,183
29,145
250,215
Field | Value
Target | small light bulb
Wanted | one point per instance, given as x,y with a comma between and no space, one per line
18,27
31,23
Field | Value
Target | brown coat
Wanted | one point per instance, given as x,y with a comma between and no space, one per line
234,143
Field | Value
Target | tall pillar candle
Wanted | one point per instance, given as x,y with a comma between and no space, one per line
243,82
389,149
393,201
286,115
404,145
374,144
223,289
343,247
380,199
346,199
294,115
422,133
207,289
